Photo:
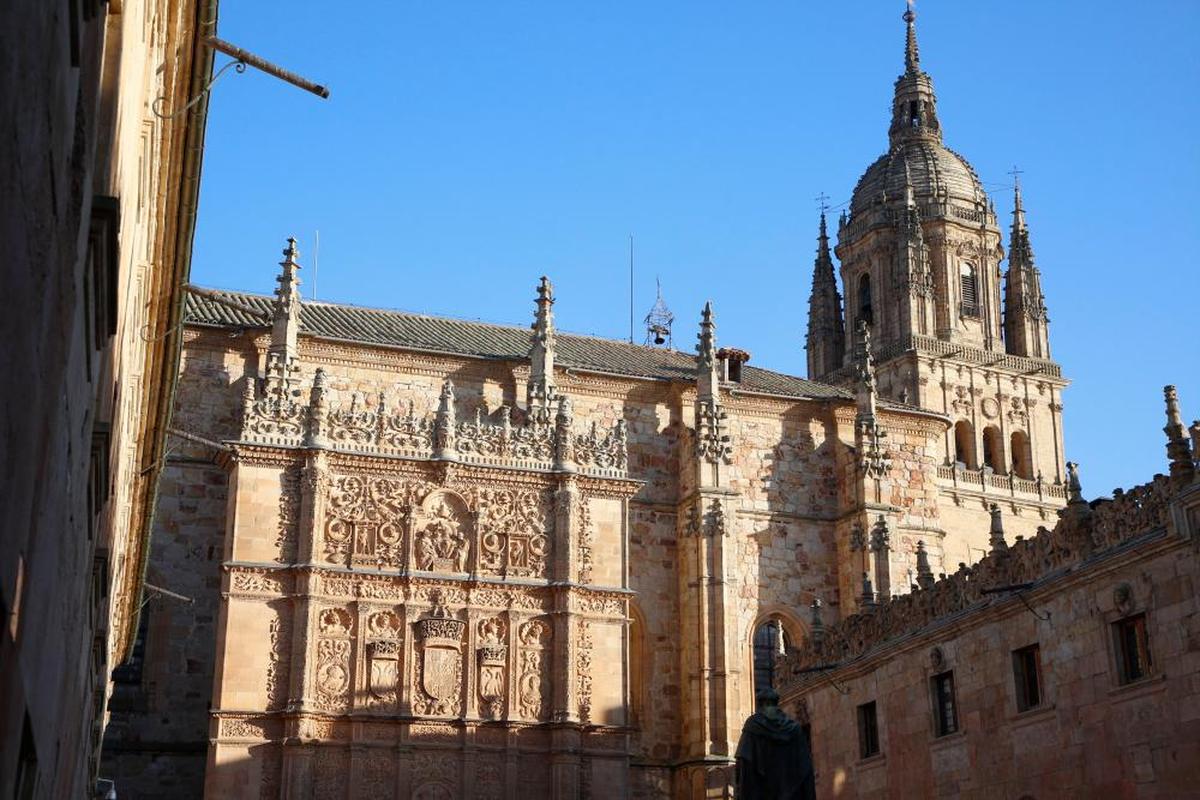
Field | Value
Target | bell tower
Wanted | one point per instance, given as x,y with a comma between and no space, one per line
921,257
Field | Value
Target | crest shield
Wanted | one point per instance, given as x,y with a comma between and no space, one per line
439,671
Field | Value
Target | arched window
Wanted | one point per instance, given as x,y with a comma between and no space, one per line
993,448
770,640
964,444
968,279
1022,455
865,312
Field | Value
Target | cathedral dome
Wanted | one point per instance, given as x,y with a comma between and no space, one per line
937,173
943,183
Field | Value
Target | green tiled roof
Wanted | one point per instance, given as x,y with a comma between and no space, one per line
480,340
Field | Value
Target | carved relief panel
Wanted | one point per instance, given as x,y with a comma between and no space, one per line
438,666
493,666
366,520
515,532
534,678
383,648
442,533
332,675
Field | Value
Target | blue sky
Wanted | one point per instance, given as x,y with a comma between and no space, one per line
468,148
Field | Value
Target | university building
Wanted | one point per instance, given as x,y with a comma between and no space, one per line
434,558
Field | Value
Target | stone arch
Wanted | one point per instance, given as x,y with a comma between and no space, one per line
993,449
964,444
775,628
1021,454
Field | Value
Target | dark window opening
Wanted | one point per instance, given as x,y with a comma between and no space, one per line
1133,648
945,714
1022,457
964,444
868,730
769,642
970,291
914,114
993,448
1027,674
864,300
27,764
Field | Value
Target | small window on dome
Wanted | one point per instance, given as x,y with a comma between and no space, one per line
970,291
864,300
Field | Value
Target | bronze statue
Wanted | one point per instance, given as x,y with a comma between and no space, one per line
774,759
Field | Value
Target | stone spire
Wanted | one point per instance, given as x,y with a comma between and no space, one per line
282,373
826,340
706,350
1026,330
713,448
996,536
540,394
445,427
913,264
1178,450
868,436
914,110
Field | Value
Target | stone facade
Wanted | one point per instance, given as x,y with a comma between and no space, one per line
1049,696
99,177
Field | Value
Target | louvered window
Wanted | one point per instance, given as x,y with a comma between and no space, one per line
970,291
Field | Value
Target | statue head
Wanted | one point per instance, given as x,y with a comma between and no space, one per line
767,698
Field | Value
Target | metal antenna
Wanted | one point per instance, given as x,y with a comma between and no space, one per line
822,202
631,288
1016,173
316,259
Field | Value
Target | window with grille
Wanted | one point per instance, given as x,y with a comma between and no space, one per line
1027,676
945,714
868,730
1133,648
970,291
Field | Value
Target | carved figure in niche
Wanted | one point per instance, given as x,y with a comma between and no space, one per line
493,655
441,543
534,681
440,664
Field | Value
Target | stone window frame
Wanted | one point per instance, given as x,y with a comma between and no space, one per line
1125,606
1139,621
940,730
1020,700
870,742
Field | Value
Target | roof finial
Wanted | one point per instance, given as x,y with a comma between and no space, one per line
912,56
658,322
1018,206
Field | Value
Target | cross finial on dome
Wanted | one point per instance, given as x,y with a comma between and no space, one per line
912,56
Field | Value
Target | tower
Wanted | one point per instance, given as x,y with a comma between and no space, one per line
920,255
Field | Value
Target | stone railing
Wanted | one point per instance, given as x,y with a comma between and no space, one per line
1082,532
277,418
993,482
928,345
873,217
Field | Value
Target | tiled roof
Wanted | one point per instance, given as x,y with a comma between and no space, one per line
479,339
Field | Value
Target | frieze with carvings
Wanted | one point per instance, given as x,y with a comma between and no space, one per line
583,670
443,533
1081,533
258,581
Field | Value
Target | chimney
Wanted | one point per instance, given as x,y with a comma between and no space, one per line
729,363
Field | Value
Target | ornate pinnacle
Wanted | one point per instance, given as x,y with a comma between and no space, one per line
1178,450
868,592
912,56
996,537
540,389
543,323
910,200
924,571
285,329
444,424
707,347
